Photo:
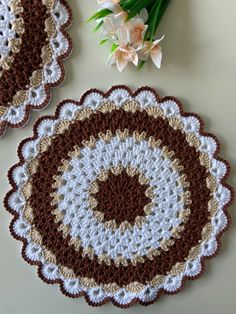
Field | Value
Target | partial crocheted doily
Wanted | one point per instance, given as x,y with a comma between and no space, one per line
120,196
33,43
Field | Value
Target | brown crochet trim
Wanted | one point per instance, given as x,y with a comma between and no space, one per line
5,124
223,181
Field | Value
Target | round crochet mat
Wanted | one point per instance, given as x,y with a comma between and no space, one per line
33,43
119,196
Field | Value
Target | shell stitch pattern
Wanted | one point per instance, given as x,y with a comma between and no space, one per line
40,24
104,151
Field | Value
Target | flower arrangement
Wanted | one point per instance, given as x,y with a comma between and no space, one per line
131,26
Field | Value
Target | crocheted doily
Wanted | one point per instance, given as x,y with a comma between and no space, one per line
119,196
33,43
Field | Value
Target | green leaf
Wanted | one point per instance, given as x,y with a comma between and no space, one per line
99,15
127,4
155,15
162,11
141,64
149,7
98,26
152,21
114,47
137,7
102,42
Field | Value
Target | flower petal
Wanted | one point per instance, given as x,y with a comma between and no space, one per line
111,5
112,59
144,53
157,57
123,35
108,25
121,63
119,18
144,15
135,59
156,42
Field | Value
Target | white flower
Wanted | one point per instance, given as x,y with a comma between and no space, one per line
112,24
124,52
112,5
137,30
122,56
153,50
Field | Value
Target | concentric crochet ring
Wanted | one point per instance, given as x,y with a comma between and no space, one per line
33,43
119,197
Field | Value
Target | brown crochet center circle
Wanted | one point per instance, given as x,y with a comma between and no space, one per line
121,198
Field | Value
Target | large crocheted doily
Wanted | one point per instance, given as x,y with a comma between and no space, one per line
120,196
33,43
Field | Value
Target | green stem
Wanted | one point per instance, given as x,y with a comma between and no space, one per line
162,11
98,26
141,64
133,7
155,15
99,15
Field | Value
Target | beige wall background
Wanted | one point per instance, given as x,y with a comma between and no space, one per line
200,69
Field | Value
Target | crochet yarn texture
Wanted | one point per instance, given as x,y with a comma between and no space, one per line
33,43
119,197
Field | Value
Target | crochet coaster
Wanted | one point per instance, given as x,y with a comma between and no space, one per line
33,43
120,197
